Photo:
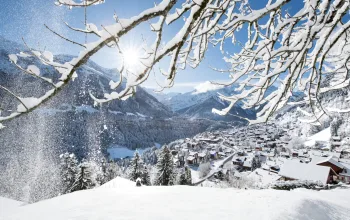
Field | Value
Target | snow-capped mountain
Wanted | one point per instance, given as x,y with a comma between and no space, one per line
204,110
198,104
185,100
70,121
124,122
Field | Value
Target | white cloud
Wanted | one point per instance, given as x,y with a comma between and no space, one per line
206,86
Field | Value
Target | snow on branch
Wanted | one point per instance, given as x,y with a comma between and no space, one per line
83,3
283,52
294,52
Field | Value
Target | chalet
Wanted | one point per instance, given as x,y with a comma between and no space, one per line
332,163
284,154
345,152
293,170
238,160
271,154
202,157
240,153
295,153
258,148
247,164
344,176
213,154
335,141
342,169
191,160
271,166
228,151
260,141
303,154
271,144
305,160
221,155
184,150
193,154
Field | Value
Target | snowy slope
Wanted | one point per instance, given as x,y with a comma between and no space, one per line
185,100
8,206
204,110
322,136
118,182
185,202
264,177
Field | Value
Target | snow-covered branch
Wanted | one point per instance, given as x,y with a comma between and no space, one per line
294,52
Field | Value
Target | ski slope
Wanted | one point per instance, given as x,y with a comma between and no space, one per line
322,136
186,202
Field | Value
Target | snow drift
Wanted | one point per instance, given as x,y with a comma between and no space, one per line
185,202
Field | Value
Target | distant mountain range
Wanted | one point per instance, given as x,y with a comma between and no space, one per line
196,104
74,124
30,145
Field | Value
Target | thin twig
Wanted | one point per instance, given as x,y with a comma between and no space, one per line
64,37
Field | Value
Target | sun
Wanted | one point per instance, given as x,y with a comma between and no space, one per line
131,57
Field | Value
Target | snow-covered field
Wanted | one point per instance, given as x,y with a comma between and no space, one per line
122,200
8,206
322,136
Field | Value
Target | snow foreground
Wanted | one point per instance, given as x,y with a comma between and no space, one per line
8,206
186,202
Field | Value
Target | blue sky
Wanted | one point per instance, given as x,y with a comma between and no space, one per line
26,18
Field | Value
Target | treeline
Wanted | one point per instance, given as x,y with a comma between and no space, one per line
86,174
89,174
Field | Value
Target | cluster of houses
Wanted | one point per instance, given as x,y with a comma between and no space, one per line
325,167
265,152
202,148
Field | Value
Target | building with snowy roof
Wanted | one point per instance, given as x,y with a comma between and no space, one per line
293,170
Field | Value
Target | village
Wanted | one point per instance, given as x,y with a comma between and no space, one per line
263,155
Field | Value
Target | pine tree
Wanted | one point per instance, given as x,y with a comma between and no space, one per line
112,171
334,126
183,178
146,179
68,171
258,163
254,164
275,152
85,178
188,175
165,165
136,167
